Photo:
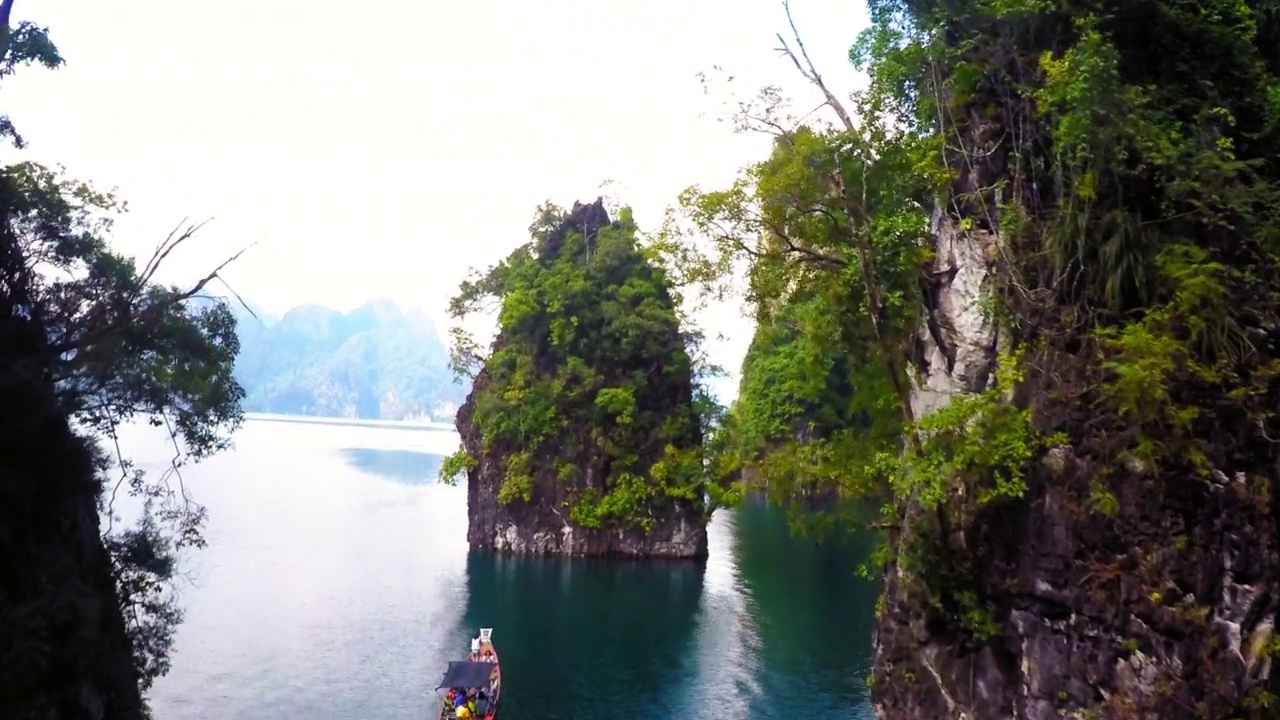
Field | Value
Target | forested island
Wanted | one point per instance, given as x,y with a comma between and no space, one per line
1018,299
582,434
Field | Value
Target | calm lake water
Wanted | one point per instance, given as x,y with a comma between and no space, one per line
338,584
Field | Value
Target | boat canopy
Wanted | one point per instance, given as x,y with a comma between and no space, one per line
466,675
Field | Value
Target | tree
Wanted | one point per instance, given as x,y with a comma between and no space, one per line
831,231
123,348
113,345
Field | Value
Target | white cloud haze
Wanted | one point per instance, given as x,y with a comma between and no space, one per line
380,149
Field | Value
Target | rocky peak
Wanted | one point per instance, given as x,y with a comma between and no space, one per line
586,220
580,431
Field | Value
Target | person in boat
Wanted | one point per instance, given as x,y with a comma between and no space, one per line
475,646
450,696
482,705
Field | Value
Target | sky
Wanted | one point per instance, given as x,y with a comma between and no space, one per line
384,148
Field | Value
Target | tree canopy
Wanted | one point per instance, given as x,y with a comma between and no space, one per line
589,358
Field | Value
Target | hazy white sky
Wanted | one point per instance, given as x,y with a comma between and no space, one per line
381,148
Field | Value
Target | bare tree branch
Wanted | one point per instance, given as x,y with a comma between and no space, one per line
166,246
795,248
811,73
72,341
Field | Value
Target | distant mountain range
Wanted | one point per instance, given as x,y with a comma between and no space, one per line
376,362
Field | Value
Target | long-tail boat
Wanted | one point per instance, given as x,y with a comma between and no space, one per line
477,680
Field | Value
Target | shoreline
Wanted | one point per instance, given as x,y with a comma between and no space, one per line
350,422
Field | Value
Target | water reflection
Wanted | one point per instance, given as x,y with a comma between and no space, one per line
373,591
772,626
586,639
409,467
813,614
727,642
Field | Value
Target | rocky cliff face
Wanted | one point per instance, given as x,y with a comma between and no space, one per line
1161,606
587,471
64,651
1164,611
542,526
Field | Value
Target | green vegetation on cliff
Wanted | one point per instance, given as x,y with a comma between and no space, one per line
1042,225
589,362
375,362
824,386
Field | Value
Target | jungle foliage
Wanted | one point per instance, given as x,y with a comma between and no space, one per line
1119,165
589,361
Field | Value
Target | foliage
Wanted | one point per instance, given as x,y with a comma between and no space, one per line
123,347
816,396
589,372
977,446
145,571
25,44
376,362
1117,164
118,346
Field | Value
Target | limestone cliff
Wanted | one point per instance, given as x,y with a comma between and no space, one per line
1164,611
580,435
1137,575
1048,250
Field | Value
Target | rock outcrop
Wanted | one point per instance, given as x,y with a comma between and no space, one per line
1169,615
1165,611
590,476
64,650
1116,590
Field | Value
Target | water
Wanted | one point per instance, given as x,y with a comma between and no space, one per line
338,584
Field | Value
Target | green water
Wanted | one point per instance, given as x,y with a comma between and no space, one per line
338,584
770,627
